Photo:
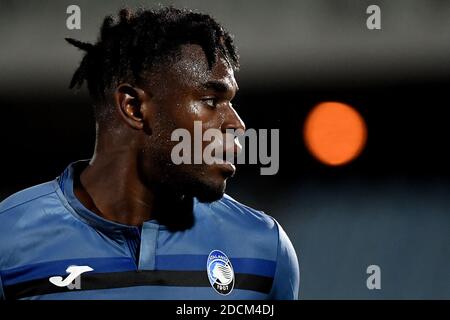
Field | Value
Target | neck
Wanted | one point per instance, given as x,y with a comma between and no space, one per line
110,186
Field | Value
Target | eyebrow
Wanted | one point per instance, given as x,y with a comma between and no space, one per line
219,86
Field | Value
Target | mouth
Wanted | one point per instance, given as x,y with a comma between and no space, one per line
225,158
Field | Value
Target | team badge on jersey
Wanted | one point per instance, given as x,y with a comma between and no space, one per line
220,272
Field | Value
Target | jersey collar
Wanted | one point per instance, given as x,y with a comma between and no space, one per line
65,181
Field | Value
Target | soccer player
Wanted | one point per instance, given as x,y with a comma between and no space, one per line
129,223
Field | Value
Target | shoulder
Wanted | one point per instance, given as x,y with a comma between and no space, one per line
238,228
27,217
244,214
28,209
30,197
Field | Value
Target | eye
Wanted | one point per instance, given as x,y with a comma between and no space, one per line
210,102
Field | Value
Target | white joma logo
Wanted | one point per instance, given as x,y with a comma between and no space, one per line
74,274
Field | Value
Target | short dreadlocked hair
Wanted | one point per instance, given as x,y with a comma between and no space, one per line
136,42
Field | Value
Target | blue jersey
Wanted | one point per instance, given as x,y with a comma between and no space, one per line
52,247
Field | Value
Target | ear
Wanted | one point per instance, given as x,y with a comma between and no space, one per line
130,101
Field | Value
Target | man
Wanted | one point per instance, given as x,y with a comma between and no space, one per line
129,223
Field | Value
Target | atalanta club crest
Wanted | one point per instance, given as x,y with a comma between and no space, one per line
220,272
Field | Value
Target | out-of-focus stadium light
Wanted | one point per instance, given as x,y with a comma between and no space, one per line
335,133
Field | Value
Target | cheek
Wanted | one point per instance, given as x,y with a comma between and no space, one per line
185,114
194,109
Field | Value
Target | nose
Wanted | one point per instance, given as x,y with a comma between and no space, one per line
232,120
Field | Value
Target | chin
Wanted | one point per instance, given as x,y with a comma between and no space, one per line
209,192
207,184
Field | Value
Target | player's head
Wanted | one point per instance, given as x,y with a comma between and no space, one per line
151,72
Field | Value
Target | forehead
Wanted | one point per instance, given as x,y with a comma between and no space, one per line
191,68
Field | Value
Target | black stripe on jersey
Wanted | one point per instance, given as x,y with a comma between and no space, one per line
96,281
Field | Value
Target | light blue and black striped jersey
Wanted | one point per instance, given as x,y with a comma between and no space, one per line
52,247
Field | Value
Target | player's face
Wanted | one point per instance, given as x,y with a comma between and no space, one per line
188,91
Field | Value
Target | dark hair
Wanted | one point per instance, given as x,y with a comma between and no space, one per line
138,41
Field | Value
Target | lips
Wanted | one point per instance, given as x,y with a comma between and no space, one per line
225,159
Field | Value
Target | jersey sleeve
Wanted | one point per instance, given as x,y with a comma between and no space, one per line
287,272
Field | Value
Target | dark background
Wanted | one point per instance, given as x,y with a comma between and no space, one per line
389,207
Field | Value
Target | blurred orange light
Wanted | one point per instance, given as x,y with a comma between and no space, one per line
335,133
